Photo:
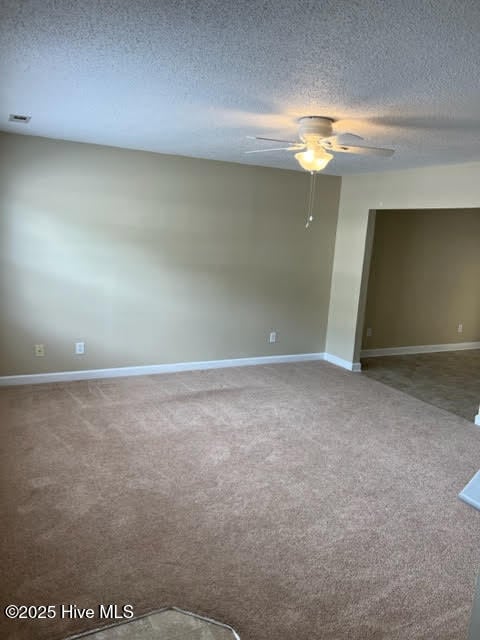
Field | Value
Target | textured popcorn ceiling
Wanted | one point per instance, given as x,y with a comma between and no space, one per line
195,77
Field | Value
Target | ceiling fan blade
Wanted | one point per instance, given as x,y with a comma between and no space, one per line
343,137
272,139
364,151
294,148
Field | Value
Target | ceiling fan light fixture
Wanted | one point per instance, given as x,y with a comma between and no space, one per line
313,160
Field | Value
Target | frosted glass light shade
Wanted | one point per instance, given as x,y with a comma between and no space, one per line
313,160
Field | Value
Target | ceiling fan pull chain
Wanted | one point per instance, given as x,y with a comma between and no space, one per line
311,199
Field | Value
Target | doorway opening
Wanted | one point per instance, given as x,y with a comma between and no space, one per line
421,329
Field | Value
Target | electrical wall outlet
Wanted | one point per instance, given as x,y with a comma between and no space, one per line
369,332
460,328
79,348
39,350
272,337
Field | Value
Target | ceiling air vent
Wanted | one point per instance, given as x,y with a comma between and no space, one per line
15,117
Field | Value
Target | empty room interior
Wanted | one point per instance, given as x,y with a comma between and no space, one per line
239,320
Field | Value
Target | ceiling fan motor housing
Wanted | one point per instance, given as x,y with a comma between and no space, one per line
314,128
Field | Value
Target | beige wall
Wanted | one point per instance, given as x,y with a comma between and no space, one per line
155,259
455,186
424,278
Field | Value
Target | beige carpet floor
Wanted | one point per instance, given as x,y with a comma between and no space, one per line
449,380
293,501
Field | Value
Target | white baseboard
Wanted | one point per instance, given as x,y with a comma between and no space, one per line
345,364
120,372
144,370
422,348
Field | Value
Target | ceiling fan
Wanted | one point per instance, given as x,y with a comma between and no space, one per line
316,139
